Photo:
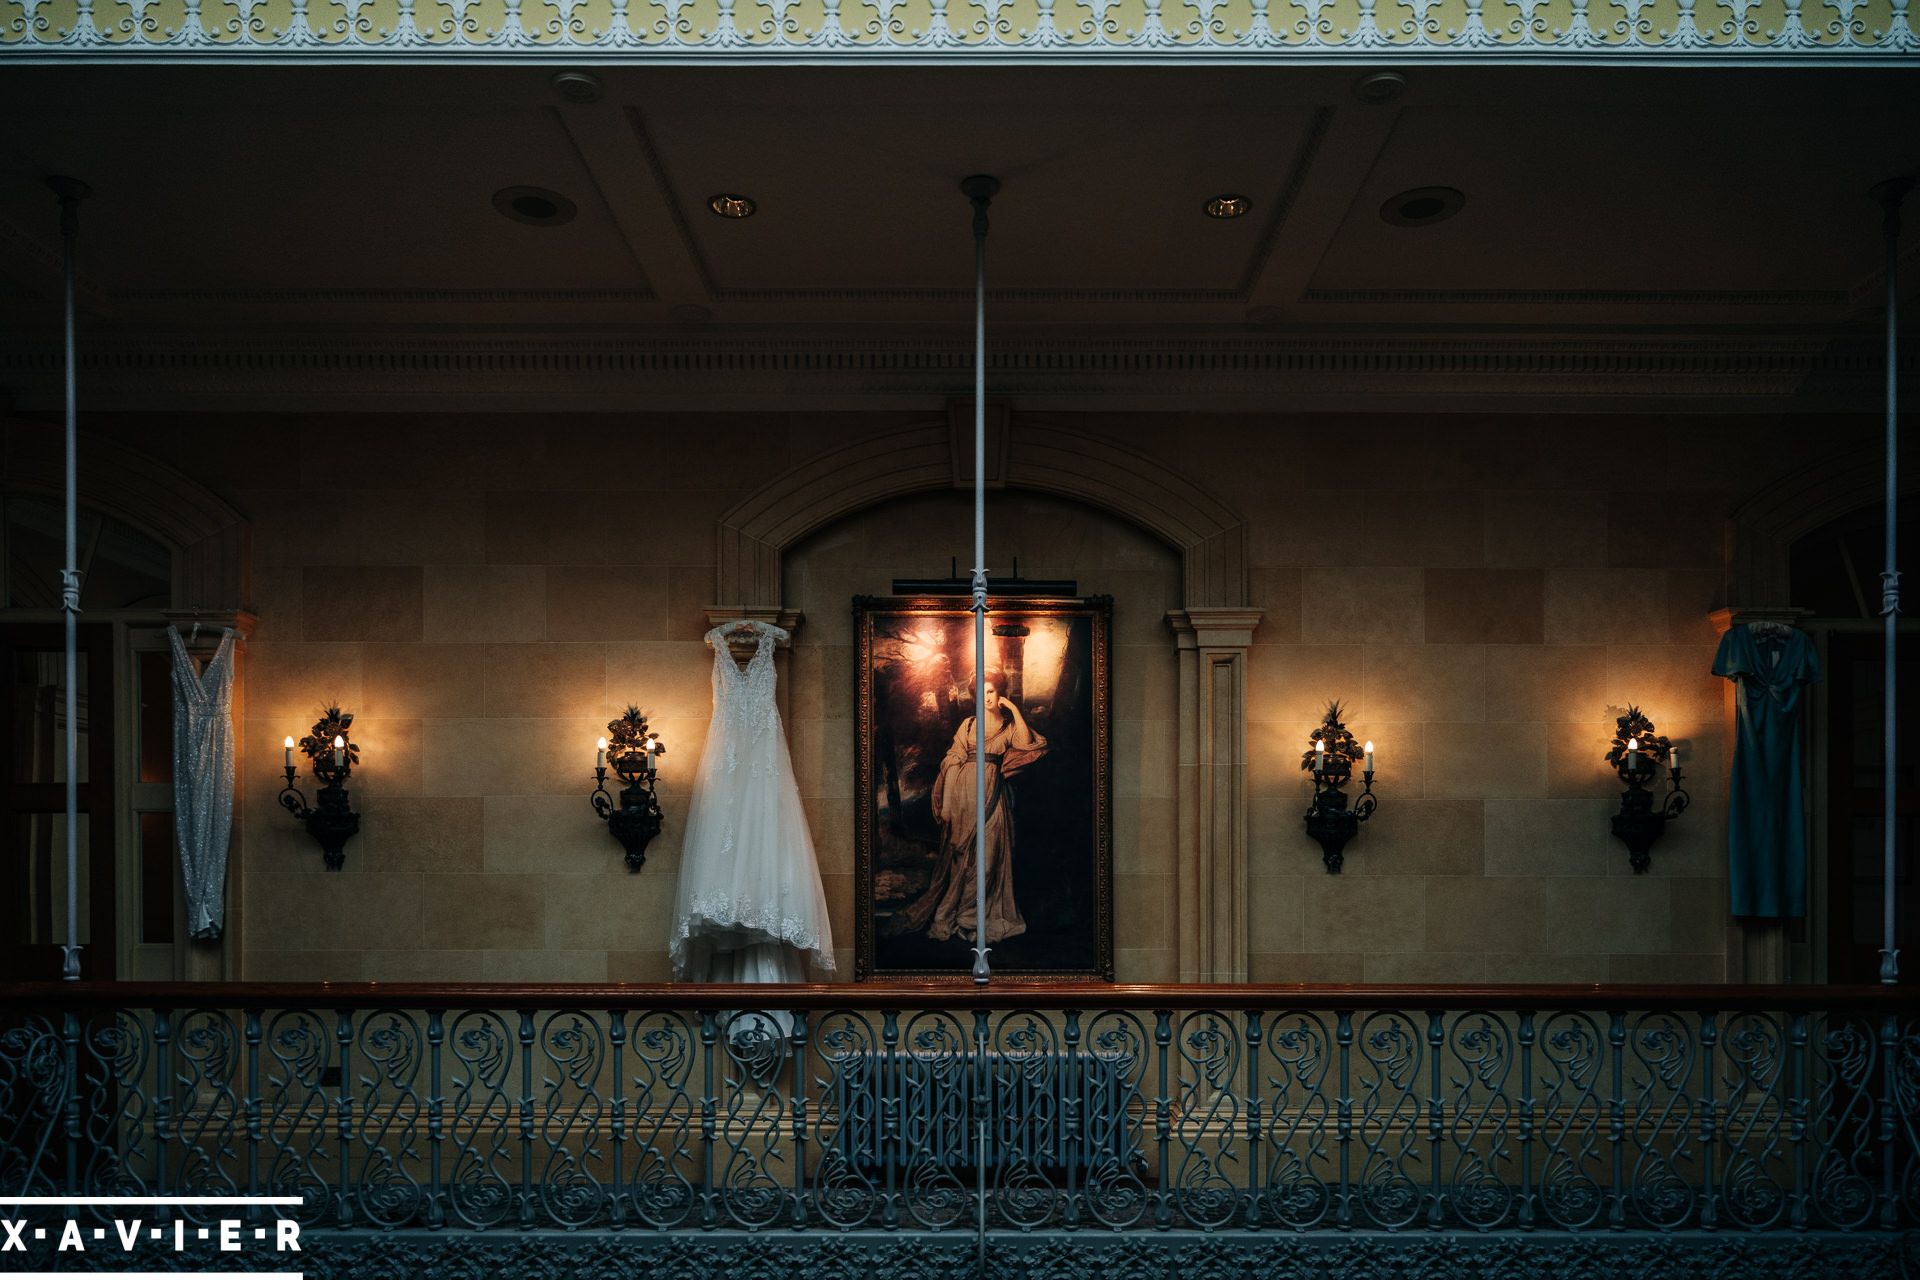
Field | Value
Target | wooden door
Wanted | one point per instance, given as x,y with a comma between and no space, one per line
33,800
1855,758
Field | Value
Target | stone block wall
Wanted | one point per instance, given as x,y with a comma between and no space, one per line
1484,593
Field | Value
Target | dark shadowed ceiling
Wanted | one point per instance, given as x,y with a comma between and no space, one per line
357,203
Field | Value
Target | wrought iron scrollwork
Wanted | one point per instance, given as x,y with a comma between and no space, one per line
665,1049
1299,1060
1390,1045
479,1119
1208,1180
1196,1129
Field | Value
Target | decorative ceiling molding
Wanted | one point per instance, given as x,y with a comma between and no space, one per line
1296,182
1588,297
1726,32
422,366
936,294
675,210
303,297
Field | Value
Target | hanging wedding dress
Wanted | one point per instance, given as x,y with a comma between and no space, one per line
203,779
750,907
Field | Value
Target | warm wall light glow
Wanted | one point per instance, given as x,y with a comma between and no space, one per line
1633,744
288,742
1369,746
1320,745
338,742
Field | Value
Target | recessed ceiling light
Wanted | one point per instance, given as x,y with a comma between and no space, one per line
1422,206
729,204
1380,88
576,86
535,206
1228,206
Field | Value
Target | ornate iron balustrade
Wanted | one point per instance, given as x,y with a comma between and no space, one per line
1017,1131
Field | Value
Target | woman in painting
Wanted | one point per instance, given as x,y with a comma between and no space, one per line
946,909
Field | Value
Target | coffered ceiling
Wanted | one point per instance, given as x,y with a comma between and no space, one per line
236,207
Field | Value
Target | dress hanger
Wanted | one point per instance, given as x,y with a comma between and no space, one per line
751,626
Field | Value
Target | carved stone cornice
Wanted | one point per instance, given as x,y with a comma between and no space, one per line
1222,628
428,367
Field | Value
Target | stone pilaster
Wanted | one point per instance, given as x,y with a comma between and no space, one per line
1211,919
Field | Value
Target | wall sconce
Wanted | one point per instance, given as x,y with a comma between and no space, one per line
1330,757
331,754
634,751
1635,756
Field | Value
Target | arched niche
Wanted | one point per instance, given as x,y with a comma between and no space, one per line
1021,455
209,545
1766,525
1211,633
208,538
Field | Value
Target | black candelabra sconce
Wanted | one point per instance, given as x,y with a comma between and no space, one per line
1330,756
331,754
1636,755
633,750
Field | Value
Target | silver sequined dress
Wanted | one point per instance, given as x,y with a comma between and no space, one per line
203,780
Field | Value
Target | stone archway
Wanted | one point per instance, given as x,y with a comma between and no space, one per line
208,537
1766,525
1211,632
1761,535
210,546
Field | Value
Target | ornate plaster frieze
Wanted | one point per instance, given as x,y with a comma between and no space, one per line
959,31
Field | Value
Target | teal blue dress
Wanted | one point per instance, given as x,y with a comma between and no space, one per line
1766,827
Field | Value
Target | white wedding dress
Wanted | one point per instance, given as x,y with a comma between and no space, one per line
749,907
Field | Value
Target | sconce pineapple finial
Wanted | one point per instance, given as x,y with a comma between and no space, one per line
1330,756
331,755
634,750
1635,755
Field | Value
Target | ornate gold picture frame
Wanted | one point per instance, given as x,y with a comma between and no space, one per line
1049,788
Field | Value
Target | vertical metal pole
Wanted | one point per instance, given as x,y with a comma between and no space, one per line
71,192
980,189
1890,194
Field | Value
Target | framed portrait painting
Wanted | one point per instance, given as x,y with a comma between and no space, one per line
1047,816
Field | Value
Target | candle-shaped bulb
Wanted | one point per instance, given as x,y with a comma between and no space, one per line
1369,765
1633,744
339,751
288,744
1319,755
1673,757
600,753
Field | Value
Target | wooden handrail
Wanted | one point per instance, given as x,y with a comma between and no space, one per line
1003,995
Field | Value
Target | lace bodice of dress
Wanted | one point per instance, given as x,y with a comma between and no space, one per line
744,695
